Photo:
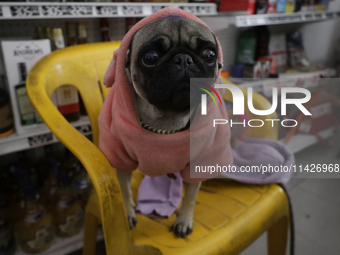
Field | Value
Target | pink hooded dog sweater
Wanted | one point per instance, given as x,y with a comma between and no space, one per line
128,146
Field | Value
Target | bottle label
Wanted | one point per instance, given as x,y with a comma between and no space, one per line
25,106
67,99
59,42
43,236
65,204
73,223
34,218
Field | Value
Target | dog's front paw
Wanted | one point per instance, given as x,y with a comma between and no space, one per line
132,221
182,227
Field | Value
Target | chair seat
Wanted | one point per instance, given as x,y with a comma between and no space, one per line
228,217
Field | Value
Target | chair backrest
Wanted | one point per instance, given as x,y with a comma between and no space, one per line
81,66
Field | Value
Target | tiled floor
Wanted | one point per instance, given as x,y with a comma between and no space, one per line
316,208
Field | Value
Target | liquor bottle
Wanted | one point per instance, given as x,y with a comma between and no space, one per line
67,212
82,186
82,36
67,95
40,32
7,240
50,185
26,109
58,38
24,162
104,28
34,230
6,117
49,35
71,34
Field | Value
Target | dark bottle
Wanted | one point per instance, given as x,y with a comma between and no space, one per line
34,230
82,35
81,185
7,240
67,212
104,28
68,102
50,185
67,95
6,117
71,34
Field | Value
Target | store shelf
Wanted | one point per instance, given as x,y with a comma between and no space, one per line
27,10
304,80
38,137
302,141
62,246
278,19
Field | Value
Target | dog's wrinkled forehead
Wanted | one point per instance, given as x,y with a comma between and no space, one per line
172,30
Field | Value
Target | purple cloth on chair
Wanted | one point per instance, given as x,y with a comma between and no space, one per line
160,196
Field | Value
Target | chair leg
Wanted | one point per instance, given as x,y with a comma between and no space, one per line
277,237
90,234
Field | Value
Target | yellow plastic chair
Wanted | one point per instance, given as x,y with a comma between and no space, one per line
228,215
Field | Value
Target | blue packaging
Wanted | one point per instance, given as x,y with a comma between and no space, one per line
281,6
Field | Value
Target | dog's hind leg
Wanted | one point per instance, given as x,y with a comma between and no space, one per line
183,225
124,179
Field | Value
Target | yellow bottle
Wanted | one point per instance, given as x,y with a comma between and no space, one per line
67,213
34,230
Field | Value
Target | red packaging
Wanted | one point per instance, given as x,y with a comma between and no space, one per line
271,6
273,63
234,5
251,7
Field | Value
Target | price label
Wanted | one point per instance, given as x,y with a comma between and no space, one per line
24,11
84,129
197,10
62,10
157,8
107,10
39,140
132,9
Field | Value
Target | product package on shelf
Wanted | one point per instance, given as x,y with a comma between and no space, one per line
19,57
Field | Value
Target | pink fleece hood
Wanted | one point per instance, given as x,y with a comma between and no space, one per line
128,146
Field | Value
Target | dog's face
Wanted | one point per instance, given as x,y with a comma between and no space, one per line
165,54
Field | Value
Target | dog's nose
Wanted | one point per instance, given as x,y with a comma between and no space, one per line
182,60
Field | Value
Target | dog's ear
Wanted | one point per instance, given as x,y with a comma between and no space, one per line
127,65
128,59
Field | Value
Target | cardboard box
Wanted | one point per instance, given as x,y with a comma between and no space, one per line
15,52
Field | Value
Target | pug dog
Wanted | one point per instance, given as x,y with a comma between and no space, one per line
159,66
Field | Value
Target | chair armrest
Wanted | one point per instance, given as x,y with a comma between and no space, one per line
101,172
270,129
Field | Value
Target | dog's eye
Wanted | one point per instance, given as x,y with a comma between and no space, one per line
209,56
150,58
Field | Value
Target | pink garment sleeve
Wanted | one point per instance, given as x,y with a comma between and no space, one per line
115,152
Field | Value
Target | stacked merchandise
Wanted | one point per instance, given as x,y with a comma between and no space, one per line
19,57
263,55
273,6
41,201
